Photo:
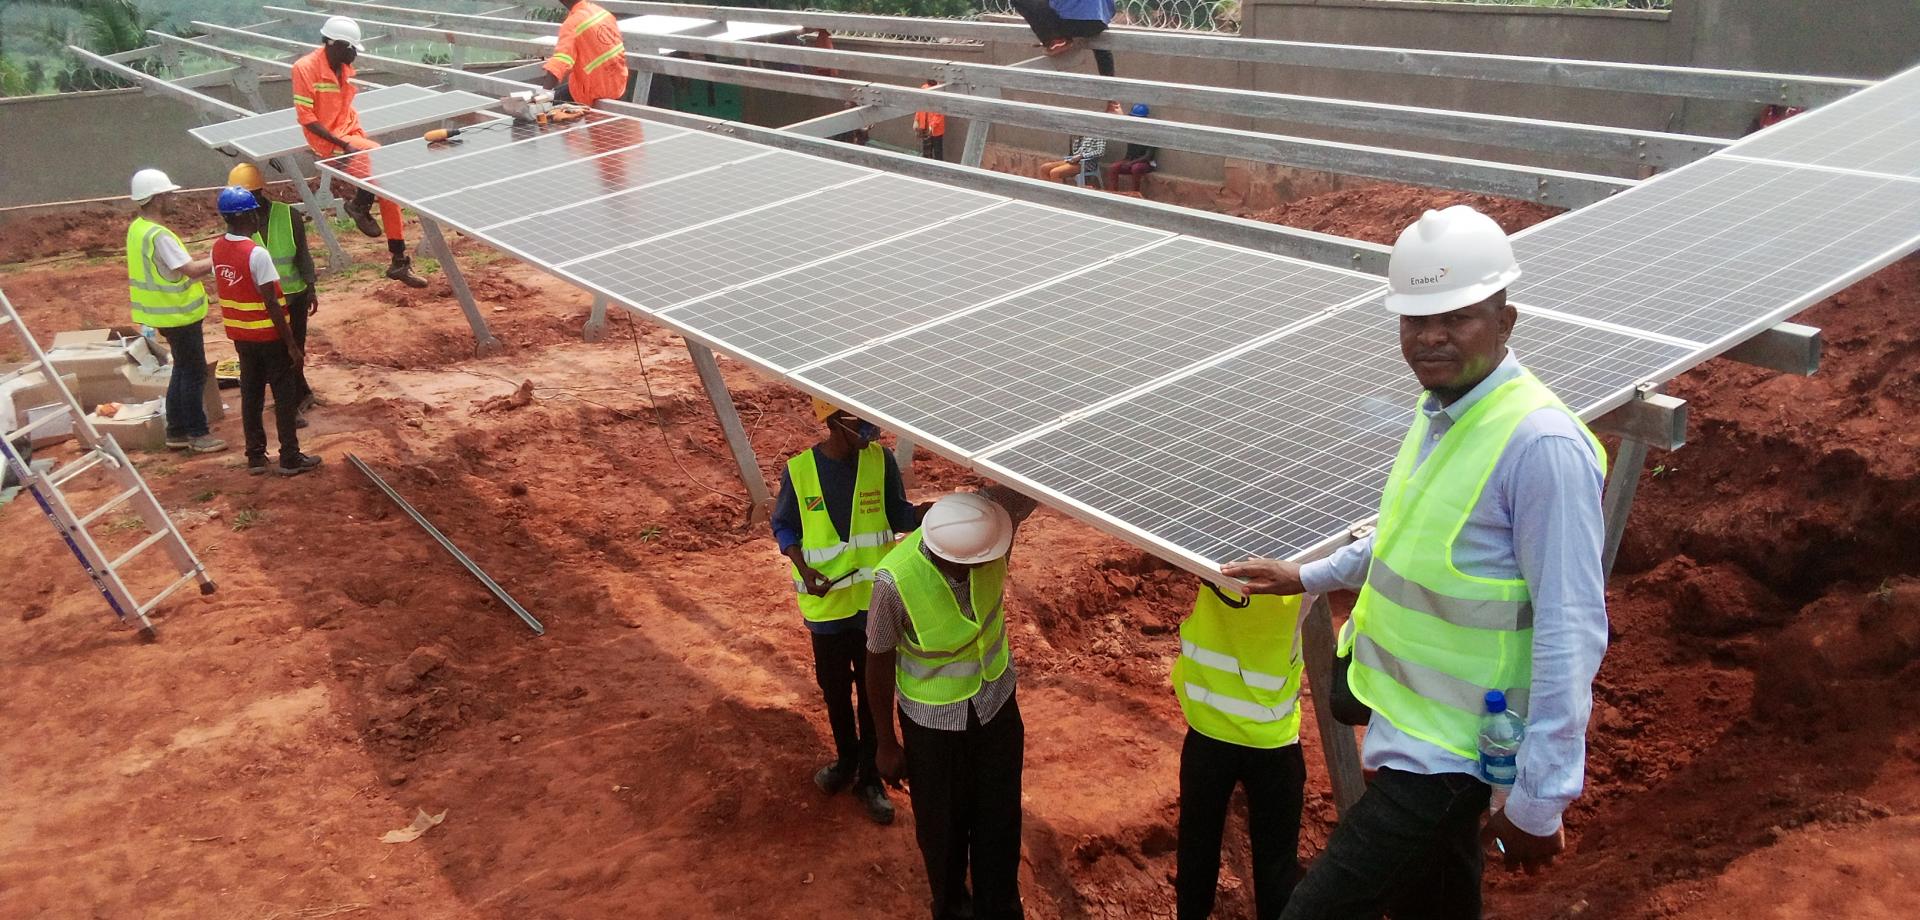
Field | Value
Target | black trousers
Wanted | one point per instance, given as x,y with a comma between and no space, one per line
1275,780
840,667
297,305
1409,848
965,788
1047,25
934,148
264,365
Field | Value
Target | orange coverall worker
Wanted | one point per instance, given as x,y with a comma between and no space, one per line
323,96
590,55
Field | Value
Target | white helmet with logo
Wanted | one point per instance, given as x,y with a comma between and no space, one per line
967,528
150,182
342,29
1447,260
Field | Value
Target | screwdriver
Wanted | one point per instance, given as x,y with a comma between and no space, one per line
443,134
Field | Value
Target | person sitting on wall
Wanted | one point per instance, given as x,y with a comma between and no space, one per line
1065,25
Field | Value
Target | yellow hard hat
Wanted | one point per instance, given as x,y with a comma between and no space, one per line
247,176
823,410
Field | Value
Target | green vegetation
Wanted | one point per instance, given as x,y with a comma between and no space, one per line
245,518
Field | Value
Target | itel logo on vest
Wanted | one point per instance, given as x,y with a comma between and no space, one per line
226,274
1435,278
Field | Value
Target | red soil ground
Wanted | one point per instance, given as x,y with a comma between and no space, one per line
1751,754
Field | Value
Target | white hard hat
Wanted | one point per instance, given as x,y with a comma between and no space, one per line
1447,260
150,182
967,528
342,29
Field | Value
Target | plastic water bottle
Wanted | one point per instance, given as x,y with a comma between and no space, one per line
1500,732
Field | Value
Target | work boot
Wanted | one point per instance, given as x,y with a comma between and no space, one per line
257,466
206,444
874,798
833,777
402,271
304,463
362,214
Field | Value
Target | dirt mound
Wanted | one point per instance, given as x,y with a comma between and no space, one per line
1377,213
96,229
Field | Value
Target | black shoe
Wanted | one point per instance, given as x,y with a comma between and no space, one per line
362,215
257,466
833,777
305,463
402,271
879,807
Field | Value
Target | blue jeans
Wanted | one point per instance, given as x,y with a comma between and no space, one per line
1410,848
186,414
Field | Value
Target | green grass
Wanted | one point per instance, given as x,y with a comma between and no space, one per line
206,496
125,523
245,518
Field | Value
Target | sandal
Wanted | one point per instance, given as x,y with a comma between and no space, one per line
1057,47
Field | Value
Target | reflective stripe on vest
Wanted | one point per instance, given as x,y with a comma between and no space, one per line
948,656
609,54
151,298
848,563
279,241
1427,640
1238,674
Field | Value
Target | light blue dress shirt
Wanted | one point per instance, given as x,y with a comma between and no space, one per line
1539,519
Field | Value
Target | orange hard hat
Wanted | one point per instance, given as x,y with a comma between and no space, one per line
247,176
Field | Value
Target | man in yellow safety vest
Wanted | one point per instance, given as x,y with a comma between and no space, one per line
164,292
840,508
284,234
938,636
1238,680
1483,575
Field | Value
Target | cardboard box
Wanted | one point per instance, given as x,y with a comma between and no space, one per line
82,338
137,426
55,431
26,392
98,369
143,384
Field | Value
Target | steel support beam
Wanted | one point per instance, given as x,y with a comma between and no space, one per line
1619,145
483,341
1691,82
1337,744
760,502
1789,348
1327,249
337,257
1653,419
1623,482
155,86
596,328
1560,188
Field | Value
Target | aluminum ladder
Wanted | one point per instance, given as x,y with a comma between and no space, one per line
99,454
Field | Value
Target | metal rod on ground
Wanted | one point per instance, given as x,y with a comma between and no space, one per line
447,545
1336,739
1623,482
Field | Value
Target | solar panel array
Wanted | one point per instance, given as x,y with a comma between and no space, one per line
1205,401
383,110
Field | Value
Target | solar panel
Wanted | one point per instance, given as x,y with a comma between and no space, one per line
703,260
416,152
1273,450
281,119
400,116
585,201
1873,131
802,317
592,228
1718,249
1025,361
511,161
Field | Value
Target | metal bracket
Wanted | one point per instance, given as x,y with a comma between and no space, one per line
596,328
483,341
1789,348
1651,418
761,502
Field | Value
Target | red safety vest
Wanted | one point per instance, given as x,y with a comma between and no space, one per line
243,306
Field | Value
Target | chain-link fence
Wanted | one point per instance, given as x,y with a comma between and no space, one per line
1199,15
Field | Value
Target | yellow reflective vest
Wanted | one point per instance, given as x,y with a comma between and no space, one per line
1428,641
154,300
1238,674
279,241
848,562
950,654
